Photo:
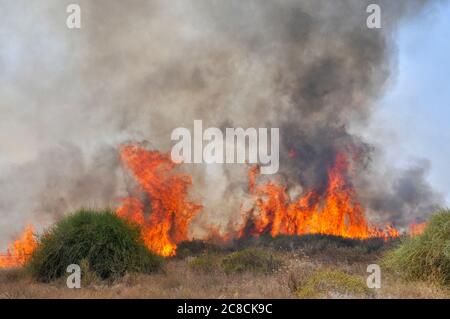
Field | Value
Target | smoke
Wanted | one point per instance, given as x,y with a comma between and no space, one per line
138,69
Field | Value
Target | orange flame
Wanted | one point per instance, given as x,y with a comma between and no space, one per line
170,214
417,229
20,250
336,212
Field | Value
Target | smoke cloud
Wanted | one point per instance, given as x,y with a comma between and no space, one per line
138,69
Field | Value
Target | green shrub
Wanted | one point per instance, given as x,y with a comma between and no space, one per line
99,241
424,257
331,283
252,260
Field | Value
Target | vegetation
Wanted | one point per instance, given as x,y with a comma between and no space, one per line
196,248
206,263
320,246
312,266
306,272
317,243
252,260
104,245
332,283
427,256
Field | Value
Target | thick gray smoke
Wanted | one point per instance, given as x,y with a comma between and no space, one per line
138,69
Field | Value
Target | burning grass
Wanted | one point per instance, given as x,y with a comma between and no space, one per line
331,209
100,241
426,256
171,211
335,211
20,250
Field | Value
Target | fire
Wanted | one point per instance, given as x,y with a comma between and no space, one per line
20,250
417,229
337,211
161,208
166,222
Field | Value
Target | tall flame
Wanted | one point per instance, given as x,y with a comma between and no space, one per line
335,212
417,229
20,250
170,212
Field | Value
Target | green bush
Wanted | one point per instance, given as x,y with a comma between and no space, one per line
100,241
424,257
331,283
252,260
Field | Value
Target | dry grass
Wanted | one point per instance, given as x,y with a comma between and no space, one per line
181,280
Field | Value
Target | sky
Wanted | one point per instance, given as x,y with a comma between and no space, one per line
415,111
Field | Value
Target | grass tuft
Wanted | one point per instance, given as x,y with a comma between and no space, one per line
327,283
424,257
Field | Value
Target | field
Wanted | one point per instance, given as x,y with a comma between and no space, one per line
307,267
